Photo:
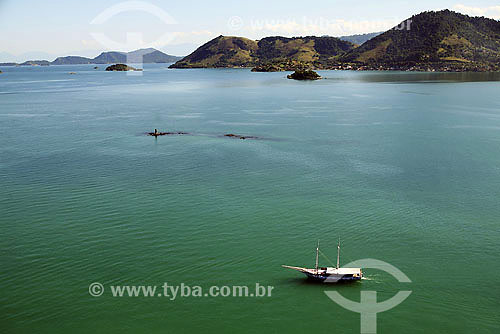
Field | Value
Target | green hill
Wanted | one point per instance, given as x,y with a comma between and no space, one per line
222,51
35,63
225,51
69,60
442,40
303,49
434,38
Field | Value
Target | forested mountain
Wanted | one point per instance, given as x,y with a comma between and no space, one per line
225,51
434,37
434,40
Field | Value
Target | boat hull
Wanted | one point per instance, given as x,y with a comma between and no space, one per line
330,274
331,278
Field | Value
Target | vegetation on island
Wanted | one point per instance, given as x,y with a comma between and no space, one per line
226,51
121,67
304,75
35,63
71,60
221,52
280,65
430,41
433,40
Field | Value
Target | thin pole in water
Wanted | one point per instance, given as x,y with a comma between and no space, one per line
317,257
338,254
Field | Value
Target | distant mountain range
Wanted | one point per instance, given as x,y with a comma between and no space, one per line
360,39
139,56
430,41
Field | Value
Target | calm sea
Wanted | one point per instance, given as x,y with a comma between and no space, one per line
404,167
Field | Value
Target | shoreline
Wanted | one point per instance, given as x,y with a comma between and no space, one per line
345,67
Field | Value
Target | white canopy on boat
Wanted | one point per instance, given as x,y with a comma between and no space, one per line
329,270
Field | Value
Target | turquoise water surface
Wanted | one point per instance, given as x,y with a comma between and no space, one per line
404,167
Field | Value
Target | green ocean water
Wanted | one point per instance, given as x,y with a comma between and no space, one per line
404,167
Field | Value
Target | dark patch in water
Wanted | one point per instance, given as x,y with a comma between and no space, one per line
231,135
412,92
228,135
159,134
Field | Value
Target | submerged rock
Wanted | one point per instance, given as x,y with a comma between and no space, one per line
231,135
304,75
122,67
158,134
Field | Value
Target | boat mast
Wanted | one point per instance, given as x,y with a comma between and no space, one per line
317,257
338,254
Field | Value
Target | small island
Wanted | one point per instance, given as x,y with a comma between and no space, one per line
304,75
122,67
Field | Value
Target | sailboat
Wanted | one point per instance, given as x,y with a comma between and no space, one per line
330,274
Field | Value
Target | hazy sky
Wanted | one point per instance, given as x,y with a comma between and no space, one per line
63,27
